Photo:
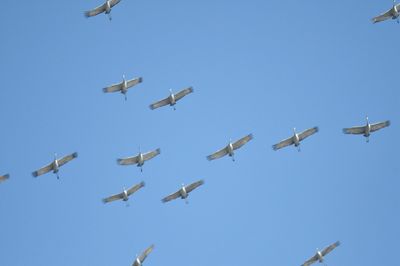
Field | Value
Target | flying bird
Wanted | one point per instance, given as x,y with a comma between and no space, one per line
139,159
55,165
4,177
124,195
106,7
183,193
392,13
295,139
229,149
367,129
123,86
319,256
139,260
172,98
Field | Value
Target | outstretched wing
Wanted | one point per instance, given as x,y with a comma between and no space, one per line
384,16
128,160
330,248
283,144
183,93
135,188
172,196
133,82
242,141
354,130
307,133
113,88
310,260
145,253
152,154
67,158
218,154
96,11
43,170
114,2
114,197
4,177
161,103
194,185
377,126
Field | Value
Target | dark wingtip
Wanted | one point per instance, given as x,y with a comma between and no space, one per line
274,147
388,123
338,243
119,161
158,150
316,129
75,154
142,184
140,80
34,174
104,90
86,14
7,176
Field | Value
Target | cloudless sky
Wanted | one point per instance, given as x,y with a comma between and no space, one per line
260,67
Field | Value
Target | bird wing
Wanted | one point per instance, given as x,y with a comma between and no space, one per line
96,11
172,196
161,103
151,154
384,16
354,130
183,93
218,154
307,133
43,170
135,188
242,141
133,82
128,160
194,185
114,197
112,88
311,260
4,177
330,248
114,2
283,143
145,253
67,158
377,126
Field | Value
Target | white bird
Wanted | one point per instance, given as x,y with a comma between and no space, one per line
124,195
139,159
392,13
106,7
123,86
319,256
4,177
295,139
172,98
139,260
55,165
367,129
229,149
183,193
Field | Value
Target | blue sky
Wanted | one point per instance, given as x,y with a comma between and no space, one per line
262,67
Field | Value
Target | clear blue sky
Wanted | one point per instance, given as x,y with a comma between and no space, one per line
260,67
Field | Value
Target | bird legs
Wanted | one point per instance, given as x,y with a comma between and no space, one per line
109,16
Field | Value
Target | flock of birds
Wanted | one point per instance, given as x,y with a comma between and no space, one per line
229,149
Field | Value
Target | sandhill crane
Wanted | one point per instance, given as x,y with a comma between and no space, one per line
172,98
295,139
4,177
106,7
124,195
367,129
229,149
183,193
139,259
123,86
139,159
392,13
319,256
55,165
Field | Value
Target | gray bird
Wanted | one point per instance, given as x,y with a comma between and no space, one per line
295,139
367,129
183,193
123,86
392,13
55,165
106,8
139,259
319,256
172,98
229,149
4,177
124,195
139,159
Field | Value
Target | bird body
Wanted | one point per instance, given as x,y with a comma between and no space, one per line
55,165
367,129
230,148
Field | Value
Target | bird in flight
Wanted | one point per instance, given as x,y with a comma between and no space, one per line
106,8
367,129
140,259
123,86
4,177
124,195
295,139
229,149
183,192
319,256
172,98
139,159
392,13
55,165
